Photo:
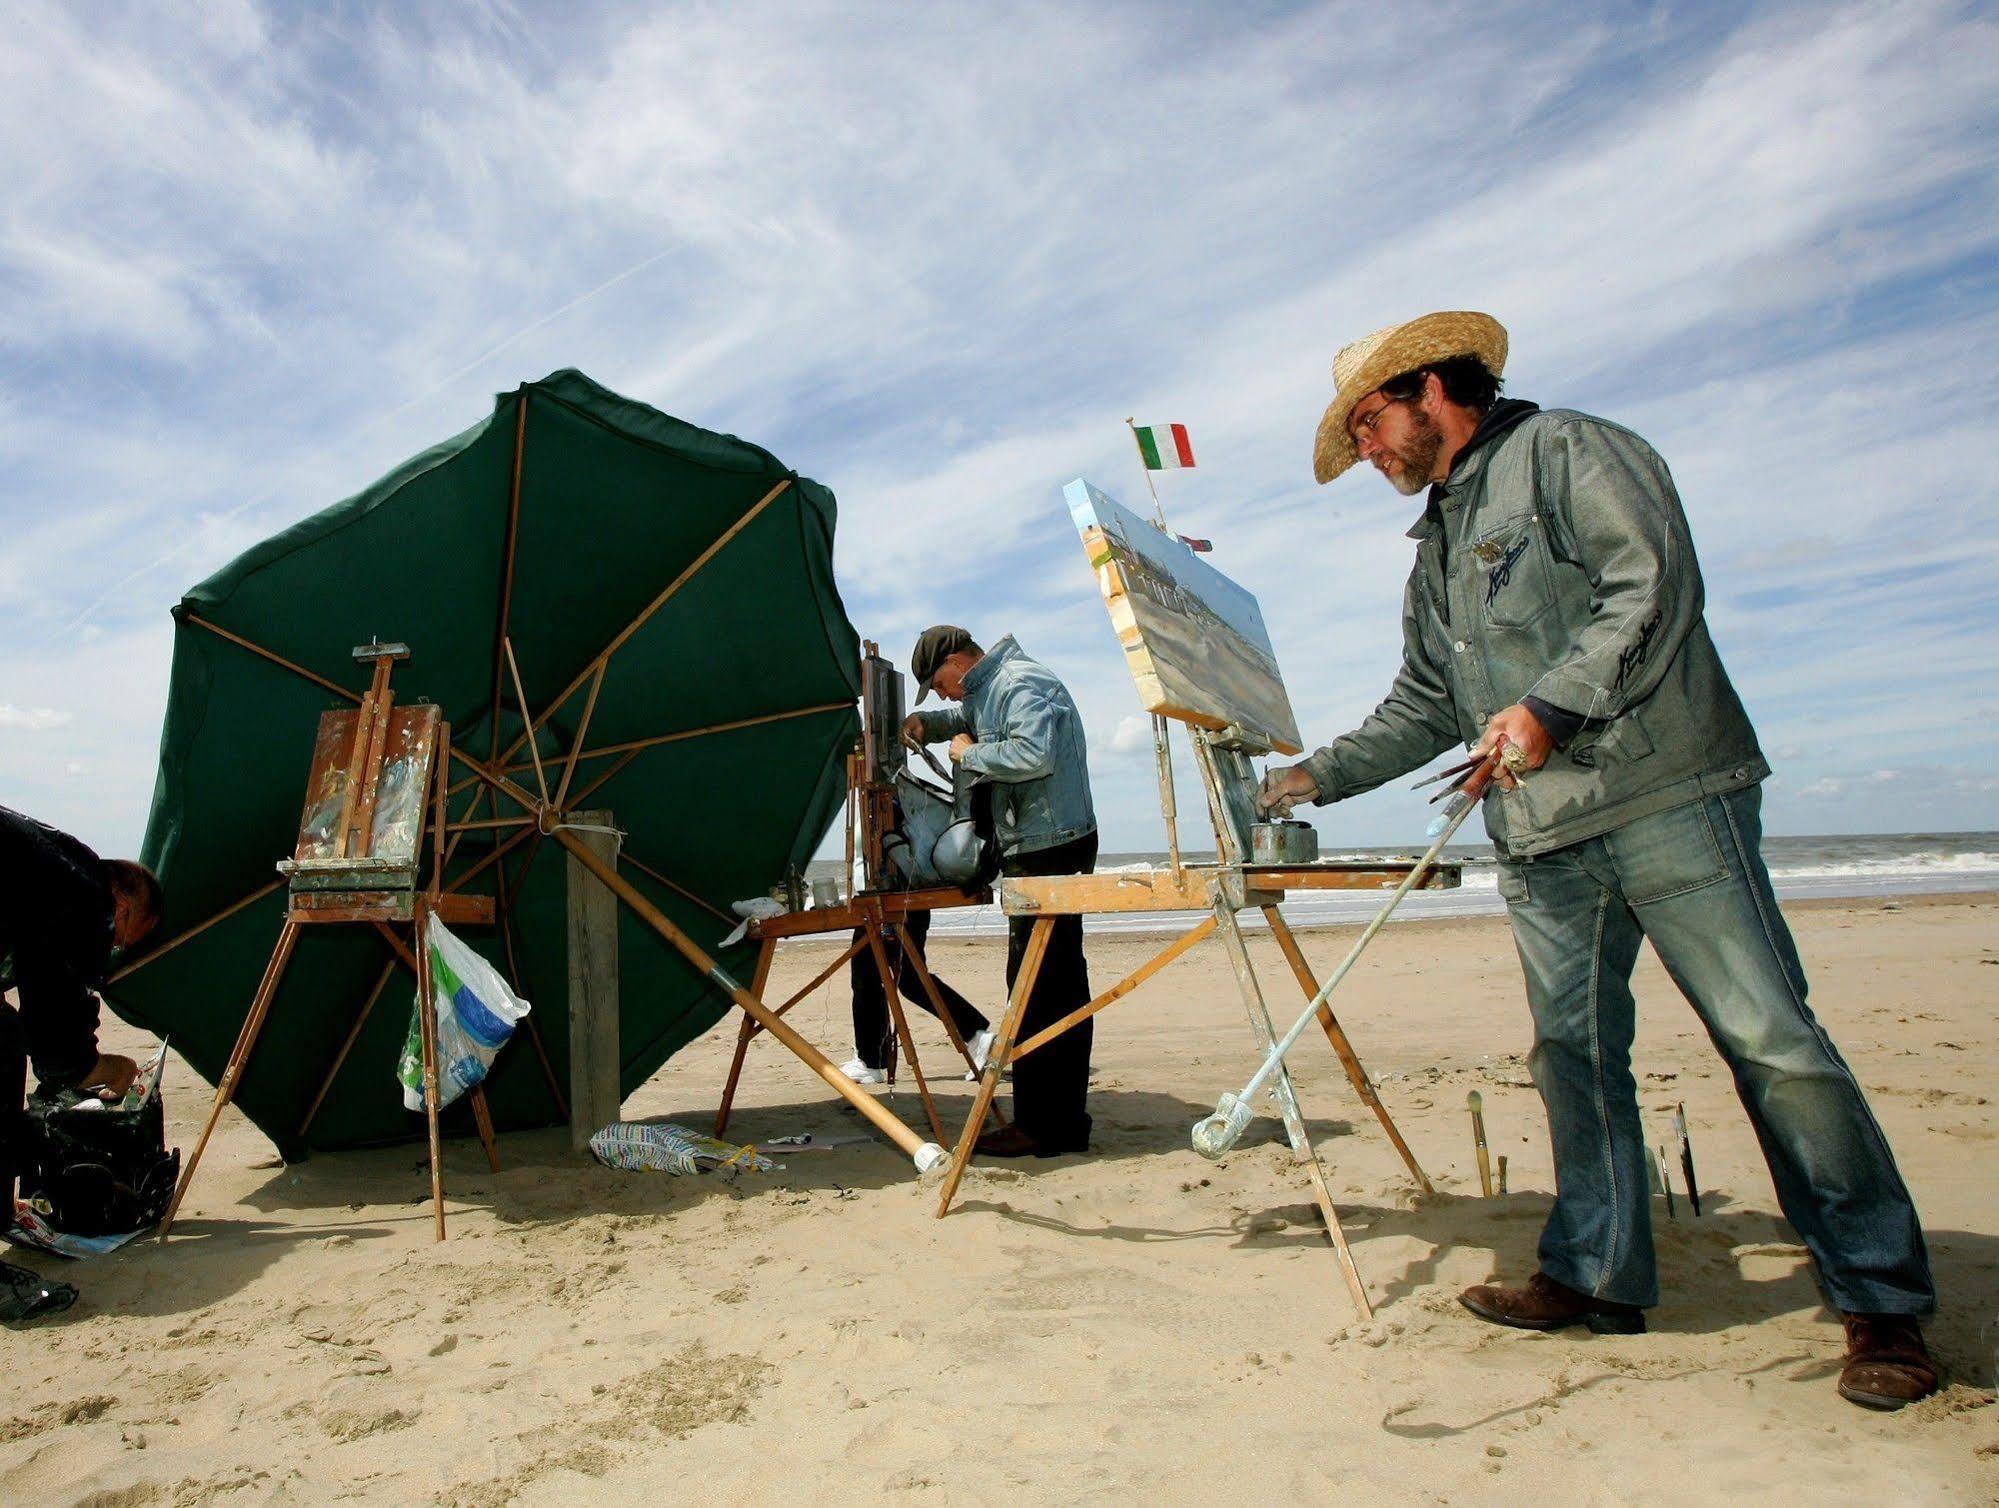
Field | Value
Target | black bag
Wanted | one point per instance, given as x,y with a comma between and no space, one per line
100,1172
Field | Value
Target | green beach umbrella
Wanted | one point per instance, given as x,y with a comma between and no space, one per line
687,666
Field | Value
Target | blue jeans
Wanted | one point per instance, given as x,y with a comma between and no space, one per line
1692,879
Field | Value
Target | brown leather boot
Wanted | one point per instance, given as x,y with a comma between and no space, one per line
1545,1304
1887,1364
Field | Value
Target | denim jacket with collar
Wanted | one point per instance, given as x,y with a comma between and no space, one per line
1028,743
1557,564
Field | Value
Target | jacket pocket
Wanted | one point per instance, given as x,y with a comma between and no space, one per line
1514,579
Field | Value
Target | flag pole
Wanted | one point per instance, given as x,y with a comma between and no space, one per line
1162,749
1158,513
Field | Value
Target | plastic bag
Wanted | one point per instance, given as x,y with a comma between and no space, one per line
476,1014
662,1147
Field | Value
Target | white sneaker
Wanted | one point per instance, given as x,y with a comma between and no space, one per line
860,1073
981,1048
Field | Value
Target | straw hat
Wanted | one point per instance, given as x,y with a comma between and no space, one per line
1370,361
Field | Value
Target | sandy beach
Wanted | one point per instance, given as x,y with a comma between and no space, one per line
1134,1321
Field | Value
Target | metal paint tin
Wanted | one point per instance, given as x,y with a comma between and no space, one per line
1284,843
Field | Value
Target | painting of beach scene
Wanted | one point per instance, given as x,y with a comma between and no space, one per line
1194,639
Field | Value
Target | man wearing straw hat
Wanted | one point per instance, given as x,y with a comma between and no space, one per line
1554,613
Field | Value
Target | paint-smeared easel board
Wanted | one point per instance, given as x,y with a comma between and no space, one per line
1193,639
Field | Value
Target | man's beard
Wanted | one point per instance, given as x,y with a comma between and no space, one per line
1418,454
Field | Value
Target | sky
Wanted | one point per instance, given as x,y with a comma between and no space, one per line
252,256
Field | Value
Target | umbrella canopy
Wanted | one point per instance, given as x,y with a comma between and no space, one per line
686,664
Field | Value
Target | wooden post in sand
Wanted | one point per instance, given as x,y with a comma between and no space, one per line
595,1095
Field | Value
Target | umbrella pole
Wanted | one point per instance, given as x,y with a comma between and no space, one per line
926,1155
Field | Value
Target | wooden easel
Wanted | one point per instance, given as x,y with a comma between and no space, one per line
349,869
1223,890
878,908
876,916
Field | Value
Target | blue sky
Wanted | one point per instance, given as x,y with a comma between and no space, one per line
252,256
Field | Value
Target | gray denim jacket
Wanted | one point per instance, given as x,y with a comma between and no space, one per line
1558,564
1029,745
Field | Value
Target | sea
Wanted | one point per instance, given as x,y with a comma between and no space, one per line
1801,868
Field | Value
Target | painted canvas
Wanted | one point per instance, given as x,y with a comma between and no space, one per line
1194,639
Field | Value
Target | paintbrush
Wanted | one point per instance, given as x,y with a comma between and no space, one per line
1687,1160
1665,1185
1502,1172
1477,1104
1456,769
1464,794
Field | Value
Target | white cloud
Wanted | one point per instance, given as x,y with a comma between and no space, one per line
31,719
935,256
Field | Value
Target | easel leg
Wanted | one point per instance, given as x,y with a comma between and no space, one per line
239,1055
1287,1101
505,892
893,992
1002,1054
743,1035
346,1047
1349,1059
427,1023
482,1117
915,956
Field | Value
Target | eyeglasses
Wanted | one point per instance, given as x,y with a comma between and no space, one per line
1363,428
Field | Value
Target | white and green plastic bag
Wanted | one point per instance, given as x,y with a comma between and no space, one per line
476,1014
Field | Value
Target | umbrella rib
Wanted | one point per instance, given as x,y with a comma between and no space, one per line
639,744
506,787
521,798
507,568
652,607
174,942
534,744
626,856
274,658
582,729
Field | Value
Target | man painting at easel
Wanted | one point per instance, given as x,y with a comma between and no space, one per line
1555,614
63,911
1018,730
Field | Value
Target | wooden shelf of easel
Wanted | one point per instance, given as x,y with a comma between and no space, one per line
1196,887
855,912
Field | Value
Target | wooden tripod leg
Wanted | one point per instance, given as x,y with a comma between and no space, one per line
426,1013
1002,1054
1287,1101
246,1039
743,1035
346,1047
482,1117
1260,1026
505,892
1349,1059
1329,1212
915,955
895,1012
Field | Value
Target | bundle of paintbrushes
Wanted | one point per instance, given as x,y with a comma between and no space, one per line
1468,783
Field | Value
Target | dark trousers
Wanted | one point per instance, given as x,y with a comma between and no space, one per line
874,1032
13,1099
1051,1084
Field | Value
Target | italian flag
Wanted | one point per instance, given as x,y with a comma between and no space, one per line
1164,446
